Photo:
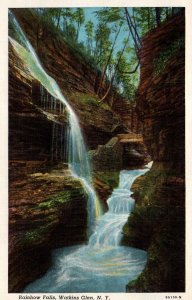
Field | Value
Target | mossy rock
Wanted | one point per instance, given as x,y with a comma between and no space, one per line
89,100
49,213
110,178
55,200
157,225
36,235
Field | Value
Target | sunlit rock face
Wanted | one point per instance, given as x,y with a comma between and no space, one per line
158,222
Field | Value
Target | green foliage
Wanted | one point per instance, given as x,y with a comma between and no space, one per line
128,82
109,14
86,99
100,47
103,44
164,57
89,29
79,17
89,100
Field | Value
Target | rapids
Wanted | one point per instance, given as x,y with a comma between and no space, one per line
103,265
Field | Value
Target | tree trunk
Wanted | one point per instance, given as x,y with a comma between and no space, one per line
134,70
158,15
113,77
148,19
77,32
131,31
167,12
58,19
108,61
134,27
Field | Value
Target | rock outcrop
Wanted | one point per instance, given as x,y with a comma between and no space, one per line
121,152
134,150
46,211
47,206
158,221
107,157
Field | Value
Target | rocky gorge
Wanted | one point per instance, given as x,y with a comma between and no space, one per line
157,223
47,204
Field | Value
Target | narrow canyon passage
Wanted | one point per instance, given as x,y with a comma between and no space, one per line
68,146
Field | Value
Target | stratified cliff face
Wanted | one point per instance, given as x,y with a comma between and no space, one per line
160,101
47,206
78,81
158,221
46,211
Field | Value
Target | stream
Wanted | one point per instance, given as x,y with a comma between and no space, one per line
103,265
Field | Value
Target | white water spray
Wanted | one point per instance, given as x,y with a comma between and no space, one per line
78,158
103,265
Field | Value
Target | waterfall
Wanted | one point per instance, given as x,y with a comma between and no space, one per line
120,203
103,265
78,158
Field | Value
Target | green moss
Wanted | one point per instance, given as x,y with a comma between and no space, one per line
89,100
157,225
32,236
55,200
109,178
161,61
36,234
165,269
146,187
141,226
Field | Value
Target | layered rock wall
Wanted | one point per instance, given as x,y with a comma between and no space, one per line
160,101
47,208
121,152
158,221
46,211
77,80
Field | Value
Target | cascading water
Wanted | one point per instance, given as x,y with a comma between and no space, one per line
102,265
78,158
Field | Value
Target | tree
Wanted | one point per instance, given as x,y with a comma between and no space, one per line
119,56
109,59
127,79
79,17
158,15
102,44
116,65
67,16
89,29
